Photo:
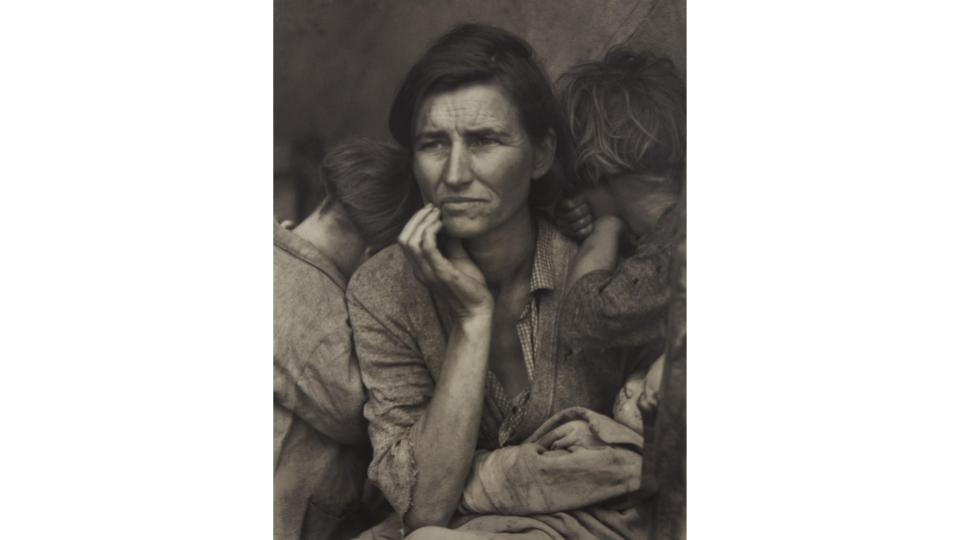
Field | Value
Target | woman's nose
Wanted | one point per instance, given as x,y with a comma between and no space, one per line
457,171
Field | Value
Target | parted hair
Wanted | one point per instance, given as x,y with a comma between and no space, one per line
373,184
476,53
627,114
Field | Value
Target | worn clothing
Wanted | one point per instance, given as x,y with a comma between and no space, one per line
539,477
585,488
536,489
542,279
626,307
401,337
320,447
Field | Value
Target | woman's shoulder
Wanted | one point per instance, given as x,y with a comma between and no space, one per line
386,278
384,298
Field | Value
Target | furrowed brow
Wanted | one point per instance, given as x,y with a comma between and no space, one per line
431,134
487,132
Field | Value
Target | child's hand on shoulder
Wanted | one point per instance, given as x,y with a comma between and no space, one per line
574,217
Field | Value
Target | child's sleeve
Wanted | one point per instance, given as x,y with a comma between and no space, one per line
625,307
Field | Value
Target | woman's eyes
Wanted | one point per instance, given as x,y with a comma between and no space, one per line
487,142
432,145
436,145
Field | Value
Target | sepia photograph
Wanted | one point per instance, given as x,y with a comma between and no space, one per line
498,228
479,269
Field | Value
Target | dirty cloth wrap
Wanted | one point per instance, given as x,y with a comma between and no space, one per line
589,489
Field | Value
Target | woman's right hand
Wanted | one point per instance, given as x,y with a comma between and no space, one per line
454,277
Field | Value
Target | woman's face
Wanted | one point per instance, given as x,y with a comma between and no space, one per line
474,160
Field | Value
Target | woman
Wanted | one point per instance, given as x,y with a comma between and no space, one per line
455,328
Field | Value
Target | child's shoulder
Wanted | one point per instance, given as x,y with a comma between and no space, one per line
662,239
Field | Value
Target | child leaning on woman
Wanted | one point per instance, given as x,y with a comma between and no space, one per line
628,119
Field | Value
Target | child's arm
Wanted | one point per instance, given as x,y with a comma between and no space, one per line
599,250
624,307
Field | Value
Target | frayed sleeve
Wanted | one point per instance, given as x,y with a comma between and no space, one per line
399,388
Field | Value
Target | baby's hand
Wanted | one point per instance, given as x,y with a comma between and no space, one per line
576,433
574,217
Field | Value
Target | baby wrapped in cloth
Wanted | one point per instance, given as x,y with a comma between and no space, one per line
577,476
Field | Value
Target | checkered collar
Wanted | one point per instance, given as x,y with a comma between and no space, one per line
543,269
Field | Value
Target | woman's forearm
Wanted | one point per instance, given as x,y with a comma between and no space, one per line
445,436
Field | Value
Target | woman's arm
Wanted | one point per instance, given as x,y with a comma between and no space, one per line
409,430
575,459
445,436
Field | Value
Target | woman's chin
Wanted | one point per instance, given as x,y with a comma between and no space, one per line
463,227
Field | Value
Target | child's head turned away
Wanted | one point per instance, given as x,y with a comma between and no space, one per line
628,121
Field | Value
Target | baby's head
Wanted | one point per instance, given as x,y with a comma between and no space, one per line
627,115
626,409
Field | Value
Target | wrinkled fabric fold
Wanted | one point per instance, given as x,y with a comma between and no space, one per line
536,491
320,448
534,477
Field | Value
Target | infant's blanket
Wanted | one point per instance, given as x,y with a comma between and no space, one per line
577,476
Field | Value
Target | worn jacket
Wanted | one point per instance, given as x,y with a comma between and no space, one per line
320,448
625,307
401,335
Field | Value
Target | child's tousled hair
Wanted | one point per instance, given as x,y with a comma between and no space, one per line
373,184
627,114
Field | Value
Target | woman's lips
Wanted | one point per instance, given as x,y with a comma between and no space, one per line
459,204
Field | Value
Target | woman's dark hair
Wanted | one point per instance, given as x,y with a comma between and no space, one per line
373,184
627,114
476,53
